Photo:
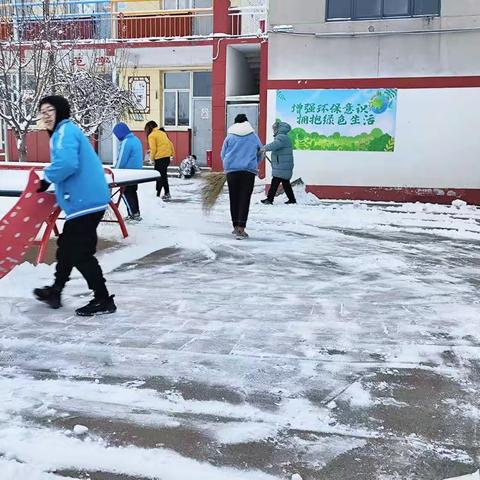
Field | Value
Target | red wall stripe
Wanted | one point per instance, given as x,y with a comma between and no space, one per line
396,194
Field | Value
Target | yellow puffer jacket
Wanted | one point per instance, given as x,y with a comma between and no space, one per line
160,145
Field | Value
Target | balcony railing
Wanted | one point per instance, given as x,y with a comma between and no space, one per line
129,25
124,25
248,20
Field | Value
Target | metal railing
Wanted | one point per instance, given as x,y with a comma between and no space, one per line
248,20
127,25
132,25
110,26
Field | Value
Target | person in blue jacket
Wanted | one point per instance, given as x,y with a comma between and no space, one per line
82,193
130,155
241,156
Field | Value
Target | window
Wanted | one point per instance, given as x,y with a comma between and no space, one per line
367,8
202,84
339,9
396,8
177,80
176,99
426,7
373,9
176,4
186,4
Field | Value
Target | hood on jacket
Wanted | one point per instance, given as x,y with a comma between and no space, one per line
121,130
281,127
241,129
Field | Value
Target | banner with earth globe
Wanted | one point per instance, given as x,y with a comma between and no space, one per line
348,120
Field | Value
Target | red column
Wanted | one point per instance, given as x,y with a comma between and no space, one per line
220,16
221,24
219,77
262,116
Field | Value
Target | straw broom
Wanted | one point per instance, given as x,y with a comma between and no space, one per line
212,187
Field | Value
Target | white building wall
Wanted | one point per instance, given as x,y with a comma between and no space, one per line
436,139
375,55
432,150
170,57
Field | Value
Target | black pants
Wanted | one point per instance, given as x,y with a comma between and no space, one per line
287,187
77,245
240,188
131,199
161,166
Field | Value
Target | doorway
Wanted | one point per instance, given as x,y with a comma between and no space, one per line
202,128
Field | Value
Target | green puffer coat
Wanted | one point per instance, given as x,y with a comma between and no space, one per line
282,152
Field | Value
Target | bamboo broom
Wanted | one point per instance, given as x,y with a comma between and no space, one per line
212,187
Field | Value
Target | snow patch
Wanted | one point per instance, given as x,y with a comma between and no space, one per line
80,429
52,450
472,476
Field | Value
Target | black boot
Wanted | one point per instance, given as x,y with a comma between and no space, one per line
97,306
49,295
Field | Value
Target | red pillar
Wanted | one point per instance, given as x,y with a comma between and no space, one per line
219,77
262,116
220,16
221,24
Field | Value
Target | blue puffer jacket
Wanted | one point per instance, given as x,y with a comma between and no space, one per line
76,171
240,151
130,152
282,152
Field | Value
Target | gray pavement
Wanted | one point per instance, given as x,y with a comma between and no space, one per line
336,343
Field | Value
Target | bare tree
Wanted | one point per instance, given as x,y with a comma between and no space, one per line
94,95
27,57
40,56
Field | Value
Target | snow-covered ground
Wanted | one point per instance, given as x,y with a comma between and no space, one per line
341,341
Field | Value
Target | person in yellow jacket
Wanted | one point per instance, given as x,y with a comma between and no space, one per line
161,150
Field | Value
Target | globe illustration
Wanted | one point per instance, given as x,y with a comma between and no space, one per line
379,103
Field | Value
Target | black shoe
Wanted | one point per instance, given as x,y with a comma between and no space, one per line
97,307
290,202
266,201
49,295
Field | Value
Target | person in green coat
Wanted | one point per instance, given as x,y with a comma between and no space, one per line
282,162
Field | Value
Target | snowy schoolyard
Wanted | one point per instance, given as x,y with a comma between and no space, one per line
340,342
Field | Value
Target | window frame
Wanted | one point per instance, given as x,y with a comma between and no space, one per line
188,7
352,18
176,91
193,84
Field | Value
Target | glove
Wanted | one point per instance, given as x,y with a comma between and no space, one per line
43,186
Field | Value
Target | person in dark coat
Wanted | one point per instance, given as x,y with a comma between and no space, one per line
282,162
82,193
